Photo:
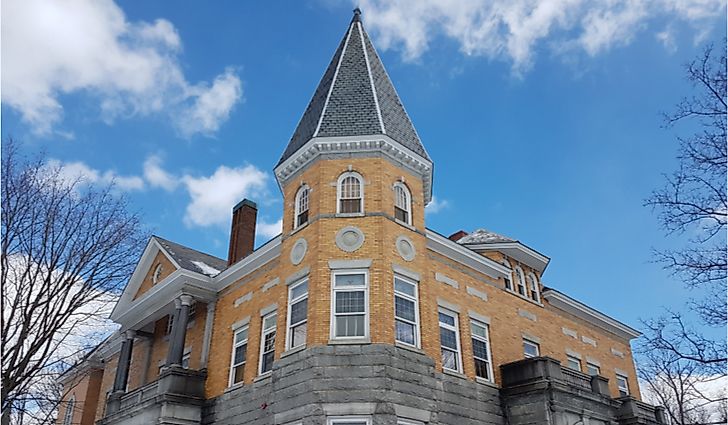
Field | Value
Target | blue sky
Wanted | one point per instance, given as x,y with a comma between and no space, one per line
543,118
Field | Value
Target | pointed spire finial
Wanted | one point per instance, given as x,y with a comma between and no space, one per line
357,15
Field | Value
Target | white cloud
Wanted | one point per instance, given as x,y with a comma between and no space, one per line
89,47
156,176
80,173
514,29
213,197
436,205
269,230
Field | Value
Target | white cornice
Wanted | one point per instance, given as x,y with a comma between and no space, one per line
261,256
462,255
353,145
583,311
515,250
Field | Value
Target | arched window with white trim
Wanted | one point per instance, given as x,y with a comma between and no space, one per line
509,282
521,281
533,287
350,194
301,207
402,203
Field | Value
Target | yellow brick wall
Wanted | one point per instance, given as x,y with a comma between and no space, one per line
107,383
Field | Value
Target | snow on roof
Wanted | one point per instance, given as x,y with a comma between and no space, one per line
484,236
206,268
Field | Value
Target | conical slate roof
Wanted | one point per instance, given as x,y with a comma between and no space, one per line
355,97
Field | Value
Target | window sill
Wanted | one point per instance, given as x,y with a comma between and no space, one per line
405,224
263,376
299,228
344,215
523,297
484,381
234,387
293,350
350,341
454,373
408,347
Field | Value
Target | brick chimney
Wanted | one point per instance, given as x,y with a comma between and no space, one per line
242,231
458,235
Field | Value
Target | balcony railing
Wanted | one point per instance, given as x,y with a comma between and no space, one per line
139,395
577,379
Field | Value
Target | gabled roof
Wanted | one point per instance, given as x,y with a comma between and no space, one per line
355,97
485,240
191,259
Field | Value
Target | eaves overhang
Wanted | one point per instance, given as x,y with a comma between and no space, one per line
158,301
515,250
353,146
444,246
565,303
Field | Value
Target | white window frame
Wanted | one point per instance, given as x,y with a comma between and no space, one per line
186,356
297,205
594,366
70,408
407,208
509,279
263,333
521,282
339,191
157,272
233,365
527,341
334,290
621,389
486,340
337,420
291,302
415,300
456,329
170,325
570,358
533,290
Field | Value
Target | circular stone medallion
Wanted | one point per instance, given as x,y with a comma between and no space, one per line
299,251
349,239
405,247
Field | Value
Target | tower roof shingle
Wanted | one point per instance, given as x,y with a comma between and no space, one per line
355,97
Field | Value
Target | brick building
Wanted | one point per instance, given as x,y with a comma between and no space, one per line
357,313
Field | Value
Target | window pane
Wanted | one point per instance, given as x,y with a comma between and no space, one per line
530,349
299,335
405,287
302,218
269,322
350,205
270,341
592,369
350,325
299,311
481,369
238,373
404,308
350,302
447,319
267,362
449,360
343,280
400,214
480,349
299,290
448,339
241,335
573,363
240,353
478,330
405,332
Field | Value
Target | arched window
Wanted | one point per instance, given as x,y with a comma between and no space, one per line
402,203
350,194
533,287
157,273
70,406
301,216
521,281
509,283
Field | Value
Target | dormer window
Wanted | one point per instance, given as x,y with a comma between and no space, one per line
533,287
402,203
301,216
350,194
521,281
509,283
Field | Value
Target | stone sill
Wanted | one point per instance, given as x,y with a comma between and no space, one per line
263,377
345,215
454,373
234,387
293,351
299,228
405,225
408,347
523,297
484,381
350,341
